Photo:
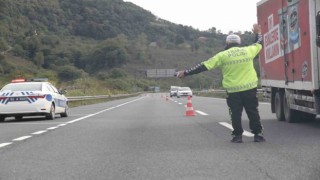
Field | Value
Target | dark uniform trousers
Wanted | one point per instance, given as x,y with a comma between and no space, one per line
249,101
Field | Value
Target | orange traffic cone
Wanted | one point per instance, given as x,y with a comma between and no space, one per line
190,111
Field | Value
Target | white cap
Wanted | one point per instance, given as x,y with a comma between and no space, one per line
233,38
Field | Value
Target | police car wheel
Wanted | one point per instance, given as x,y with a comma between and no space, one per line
65,114
51,115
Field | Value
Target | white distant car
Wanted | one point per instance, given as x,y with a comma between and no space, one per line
184,91
173,90
20,98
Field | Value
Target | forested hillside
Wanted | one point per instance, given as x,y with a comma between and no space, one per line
107,44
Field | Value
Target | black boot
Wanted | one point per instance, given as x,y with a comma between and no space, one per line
259,138
236,139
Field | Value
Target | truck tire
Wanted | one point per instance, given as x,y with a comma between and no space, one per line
278,104
290,115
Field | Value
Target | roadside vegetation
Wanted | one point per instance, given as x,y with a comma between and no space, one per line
91,47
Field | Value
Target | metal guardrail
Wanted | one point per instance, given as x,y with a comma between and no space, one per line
84,98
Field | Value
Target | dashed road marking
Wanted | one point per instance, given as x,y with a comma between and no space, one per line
229,126
22,138
5,144
52,128
64,124
39,132
202,113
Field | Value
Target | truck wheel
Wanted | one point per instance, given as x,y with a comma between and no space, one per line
290,115
278,104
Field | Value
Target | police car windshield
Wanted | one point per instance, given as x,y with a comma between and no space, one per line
22,87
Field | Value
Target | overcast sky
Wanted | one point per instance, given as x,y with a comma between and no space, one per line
224,15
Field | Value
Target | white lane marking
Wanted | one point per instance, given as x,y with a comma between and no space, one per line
73,121
79,119
4,144
52,128
39,132
229,126
116,106
99,112
22,138
202,113
180,103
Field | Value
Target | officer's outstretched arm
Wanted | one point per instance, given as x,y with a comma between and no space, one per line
257,30
193,70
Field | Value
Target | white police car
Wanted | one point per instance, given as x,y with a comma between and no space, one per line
35,98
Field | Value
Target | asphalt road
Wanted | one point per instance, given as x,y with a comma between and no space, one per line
150,138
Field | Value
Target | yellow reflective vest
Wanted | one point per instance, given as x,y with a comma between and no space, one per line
237,67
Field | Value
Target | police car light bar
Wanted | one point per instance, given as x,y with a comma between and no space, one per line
18,80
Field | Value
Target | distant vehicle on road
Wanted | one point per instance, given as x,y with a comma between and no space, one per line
184,91
36,98
173,90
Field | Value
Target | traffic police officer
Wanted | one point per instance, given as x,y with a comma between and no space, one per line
240,81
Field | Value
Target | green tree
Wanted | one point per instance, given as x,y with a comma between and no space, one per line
195,46
213,30
117,73
39,59
68,73
50,40
139,47
3,44
19,51
109,54
108,57
179,39
33,46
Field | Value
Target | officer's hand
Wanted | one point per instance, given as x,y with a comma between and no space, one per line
256,29
180,74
